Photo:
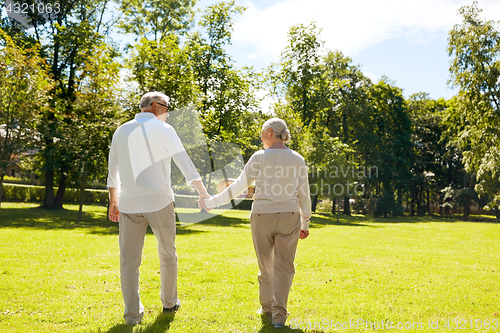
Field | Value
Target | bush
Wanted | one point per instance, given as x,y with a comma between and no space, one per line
24,181
36,193
324,206
27,193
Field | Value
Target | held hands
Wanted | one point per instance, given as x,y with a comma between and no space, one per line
201,202
303,234
114,213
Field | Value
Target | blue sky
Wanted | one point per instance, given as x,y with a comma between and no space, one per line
405,40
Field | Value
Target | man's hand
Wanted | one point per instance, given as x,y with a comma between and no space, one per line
202,192
303,234
114,213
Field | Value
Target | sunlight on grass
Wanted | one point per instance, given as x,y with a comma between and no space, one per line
59,276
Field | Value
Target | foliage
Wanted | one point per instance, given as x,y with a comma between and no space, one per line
475,70
226,95
163,66
36,194
156,20
24,87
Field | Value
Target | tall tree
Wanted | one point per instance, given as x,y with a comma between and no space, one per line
156,20
225,94
347,112
24,96
428,158
298,77
66,37
392,128
474,46
97,115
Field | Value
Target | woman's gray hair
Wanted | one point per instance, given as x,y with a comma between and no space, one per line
154,96
279,128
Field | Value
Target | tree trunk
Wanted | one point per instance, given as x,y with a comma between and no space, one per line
419,201
399,201
1,188
428,202
60,193
466,208
48,200
314,203
497,214
347,206
82,191
334,202
412,203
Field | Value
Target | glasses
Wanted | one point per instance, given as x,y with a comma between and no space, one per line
160,104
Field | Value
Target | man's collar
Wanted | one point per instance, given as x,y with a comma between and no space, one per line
145,115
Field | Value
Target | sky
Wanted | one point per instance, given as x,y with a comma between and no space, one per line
405,40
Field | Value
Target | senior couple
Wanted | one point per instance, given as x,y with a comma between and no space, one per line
140,195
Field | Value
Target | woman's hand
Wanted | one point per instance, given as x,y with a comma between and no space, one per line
303,234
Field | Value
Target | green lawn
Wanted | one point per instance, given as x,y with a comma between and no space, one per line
56,276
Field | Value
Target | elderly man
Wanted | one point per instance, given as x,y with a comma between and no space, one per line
141,195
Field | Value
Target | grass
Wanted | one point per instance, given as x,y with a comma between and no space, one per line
57,276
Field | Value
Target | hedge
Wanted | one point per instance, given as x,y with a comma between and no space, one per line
27,193
13,192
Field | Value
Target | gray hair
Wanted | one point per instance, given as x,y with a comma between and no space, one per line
279,128
154,96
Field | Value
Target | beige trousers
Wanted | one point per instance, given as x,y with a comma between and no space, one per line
132,232
275,237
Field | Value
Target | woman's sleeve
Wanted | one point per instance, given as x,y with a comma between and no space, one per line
246,178
304,196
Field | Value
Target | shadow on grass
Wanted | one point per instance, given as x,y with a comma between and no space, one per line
225,221
93,222
161,324
268,327
320,219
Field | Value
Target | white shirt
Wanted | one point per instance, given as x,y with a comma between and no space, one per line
281,184
139,164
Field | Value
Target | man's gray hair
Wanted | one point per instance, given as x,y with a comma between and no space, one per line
154,96
279,128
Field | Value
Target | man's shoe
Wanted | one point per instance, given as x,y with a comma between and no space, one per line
265,314
278,325
172,309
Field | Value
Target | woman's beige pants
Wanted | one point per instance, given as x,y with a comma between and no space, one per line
275,237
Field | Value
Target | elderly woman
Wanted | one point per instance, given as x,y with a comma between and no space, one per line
280,214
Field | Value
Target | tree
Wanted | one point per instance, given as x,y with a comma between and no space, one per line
474,46
298,77
163,66
428,158
66,40
392,129
156,20
24,88
158,60
97,116
346,112
225,94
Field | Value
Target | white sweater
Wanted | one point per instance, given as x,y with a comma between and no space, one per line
281,184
